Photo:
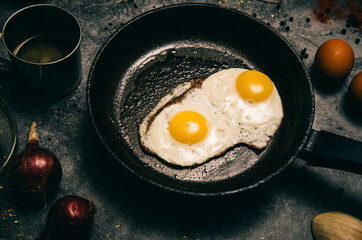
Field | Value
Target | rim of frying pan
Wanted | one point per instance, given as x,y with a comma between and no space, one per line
217,193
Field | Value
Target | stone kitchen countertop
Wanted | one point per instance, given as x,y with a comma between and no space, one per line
131,208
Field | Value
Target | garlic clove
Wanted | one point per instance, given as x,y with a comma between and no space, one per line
336,226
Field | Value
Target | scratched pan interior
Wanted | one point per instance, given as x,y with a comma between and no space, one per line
150,55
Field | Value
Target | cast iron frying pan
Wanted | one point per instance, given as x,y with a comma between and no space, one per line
156,51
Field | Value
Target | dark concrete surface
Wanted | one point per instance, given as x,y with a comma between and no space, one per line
129,208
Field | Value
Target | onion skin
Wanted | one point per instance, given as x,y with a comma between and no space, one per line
36,171
70,217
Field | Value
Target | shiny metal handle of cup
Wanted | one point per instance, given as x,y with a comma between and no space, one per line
4,62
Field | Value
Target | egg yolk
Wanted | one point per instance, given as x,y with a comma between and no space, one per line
254,86
188,127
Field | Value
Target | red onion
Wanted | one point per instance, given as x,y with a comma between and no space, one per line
36,171
70,217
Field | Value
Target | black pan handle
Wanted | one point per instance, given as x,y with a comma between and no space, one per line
325,149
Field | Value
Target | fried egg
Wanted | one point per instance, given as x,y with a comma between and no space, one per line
251,101
203,118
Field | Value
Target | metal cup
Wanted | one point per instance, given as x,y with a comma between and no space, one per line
43,44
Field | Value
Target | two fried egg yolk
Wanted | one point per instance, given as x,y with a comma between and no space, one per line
190,127
193,124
